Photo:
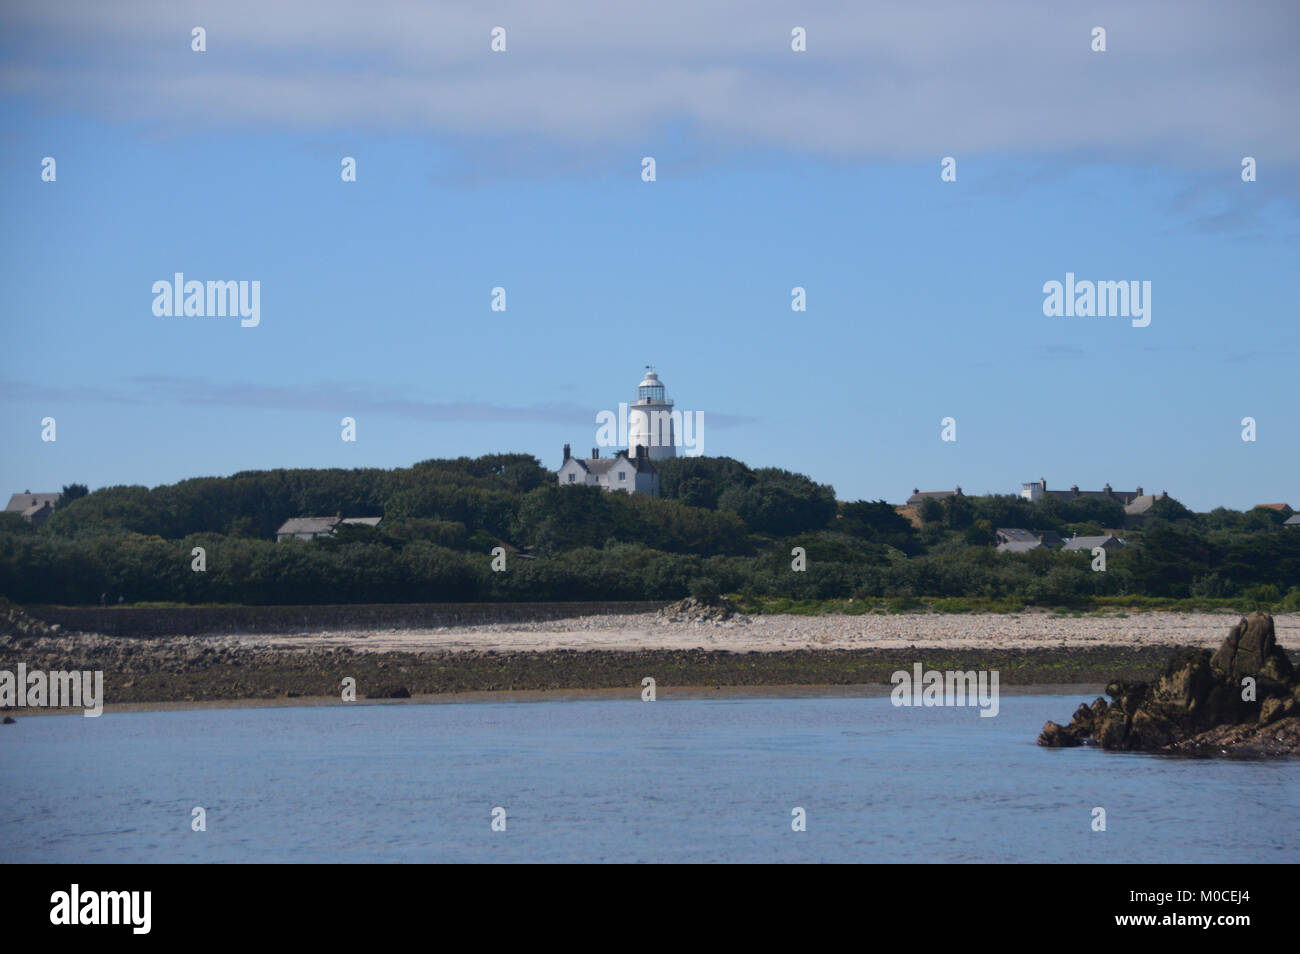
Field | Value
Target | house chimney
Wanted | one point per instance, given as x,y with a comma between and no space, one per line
567,452
595,453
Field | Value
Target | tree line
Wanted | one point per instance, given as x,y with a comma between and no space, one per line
719,526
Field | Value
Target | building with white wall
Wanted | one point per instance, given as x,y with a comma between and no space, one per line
633,475
650,420
651,436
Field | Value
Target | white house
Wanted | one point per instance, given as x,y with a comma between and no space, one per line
35,508
634,475
651,436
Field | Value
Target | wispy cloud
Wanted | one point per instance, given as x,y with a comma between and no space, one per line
352,398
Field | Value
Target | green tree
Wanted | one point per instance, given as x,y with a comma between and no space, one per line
71,492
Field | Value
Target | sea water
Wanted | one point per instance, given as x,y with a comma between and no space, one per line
613,780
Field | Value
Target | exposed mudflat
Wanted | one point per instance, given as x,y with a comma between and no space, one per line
617,652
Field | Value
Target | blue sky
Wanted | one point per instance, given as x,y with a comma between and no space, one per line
775,169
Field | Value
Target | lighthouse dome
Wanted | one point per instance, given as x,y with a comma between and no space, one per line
651,389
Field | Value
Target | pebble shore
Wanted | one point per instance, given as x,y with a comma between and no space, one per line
1031,630
679,648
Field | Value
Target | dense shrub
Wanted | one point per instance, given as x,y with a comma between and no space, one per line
720,527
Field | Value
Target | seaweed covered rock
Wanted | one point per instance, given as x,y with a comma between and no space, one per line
1244,699
15,621
390,692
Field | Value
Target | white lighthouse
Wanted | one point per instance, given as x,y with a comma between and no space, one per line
650,421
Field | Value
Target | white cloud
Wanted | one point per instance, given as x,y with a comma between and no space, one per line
165,389
1182,83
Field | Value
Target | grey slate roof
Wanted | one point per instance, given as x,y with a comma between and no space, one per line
1016,535
1087,543
323,525
1292,521
1125,497
1141,505
28,503
920,496
1018,546
1019,540
308,525
601,465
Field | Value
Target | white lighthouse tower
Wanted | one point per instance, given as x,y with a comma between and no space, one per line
650,421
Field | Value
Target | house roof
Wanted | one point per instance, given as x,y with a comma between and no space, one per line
308,525
324,524
1141,505
1020,540
602,465
921,495
1087,543
1018,546
28,503
1292,521
1280,506
1106,493
1016,534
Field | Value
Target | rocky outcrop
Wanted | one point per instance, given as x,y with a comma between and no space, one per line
15,621
692,610
1244,700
